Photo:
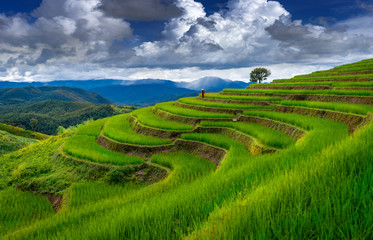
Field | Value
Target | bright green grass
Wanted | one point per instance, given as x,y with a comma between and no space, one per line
334,106
293,119
86,147
293,84
352,84
10,142
83,145
241,98
22,132
145,116
162,211
237,156
187,167
84,193
285,92
37,168
327,78
328,197
266,136
118,128
332,84
18,209
198,102
91,128
171,108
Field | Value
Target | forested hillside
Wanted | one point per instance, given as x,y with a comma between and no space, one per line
47,116
36,94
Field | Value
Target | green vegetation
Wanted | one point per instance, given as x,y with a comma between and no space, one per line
355,71
313,199
285,92
85,193
22,132
146,117
27,95
49,115
37,168
241,98
83,146
171,108
198,102
118,128
266,136
335,106
332,84
18,209
327,78
10,143
319,187
259,75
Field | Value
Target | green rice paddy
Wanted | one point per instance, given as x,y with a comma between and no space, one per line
171,108
146,117
118,128
318,187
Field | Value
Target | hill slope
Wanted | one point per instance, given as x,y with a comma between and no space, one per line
13,138
286,160
50,115
36,94
10,142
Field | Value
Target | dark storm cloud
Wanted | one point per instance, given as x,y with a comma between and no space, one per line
304,41
143,10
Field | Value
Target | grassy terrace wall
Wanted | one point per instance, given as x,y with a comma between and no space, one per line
291,131
211,153
351,120
291,159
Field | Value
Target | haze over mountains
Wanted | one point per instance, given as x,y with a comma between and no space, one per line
135,92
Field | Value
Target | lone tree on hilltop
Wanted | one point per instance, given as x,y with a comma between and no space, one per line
259,74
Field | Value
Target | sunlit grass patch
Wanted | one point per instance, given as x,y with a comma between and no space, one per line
241,98
86,147
266,136
118,128
334,106
10,143
22,208
171,108
145,116
198,102
286,92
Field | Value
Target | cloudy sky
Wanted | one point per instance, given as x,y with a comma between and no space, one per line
44,40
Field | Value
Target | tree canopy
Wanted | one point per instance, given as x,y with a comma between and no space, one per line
259,75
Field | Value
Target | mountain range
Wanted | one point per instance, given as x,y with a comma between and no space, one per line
142,92
31,94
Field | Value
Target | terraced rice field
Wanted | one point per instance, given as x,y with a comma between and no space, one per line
238,167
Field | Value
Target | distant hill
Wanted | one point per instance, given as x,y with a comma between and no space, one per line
146,94
49,115
213,84
32,94
140,92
